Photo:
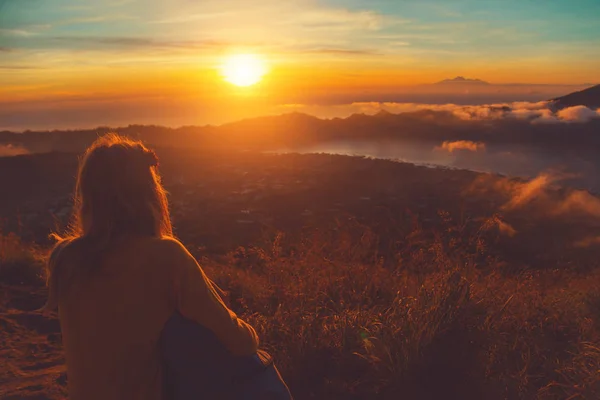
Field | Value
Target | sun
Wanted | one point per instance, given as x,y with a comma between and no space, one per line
243,69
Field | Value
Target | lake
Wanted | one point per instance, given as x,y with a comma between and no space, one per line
579,170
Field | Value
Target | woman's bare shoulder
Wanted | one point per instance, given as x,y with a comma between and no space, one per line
63,249
167,246
166,242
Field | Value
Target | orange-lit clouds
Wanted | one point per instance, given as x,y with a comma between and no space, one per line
538,192
589,241
577,114
462,145
524,193
505,228
536,112
215,101
12,150
539,198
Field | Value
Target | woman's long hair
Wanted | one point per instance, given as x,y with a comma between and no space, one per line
118,193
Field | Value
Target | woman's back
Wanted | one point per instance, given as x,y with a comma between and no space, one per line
112,321
112,317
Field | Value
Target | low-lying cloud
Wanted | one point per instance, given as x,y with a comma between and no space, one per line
505,228
540,193
522,194
580,202
578,114
537,113
543,199
588,241
462,145
8,150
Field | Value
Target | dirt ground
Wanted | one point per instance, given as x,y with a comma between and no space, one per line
31,358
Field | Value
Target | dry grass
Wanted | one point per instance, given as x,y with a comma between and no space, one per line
459,328
442,319
20,264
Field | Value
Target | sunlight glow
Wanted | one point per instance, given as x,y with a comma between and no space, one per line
243,69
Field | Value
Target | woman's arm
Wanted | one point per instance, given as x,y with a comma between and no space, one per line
196,299
52,277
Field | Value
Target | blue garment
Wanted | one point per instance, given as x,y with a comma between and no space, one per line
265,385
197,366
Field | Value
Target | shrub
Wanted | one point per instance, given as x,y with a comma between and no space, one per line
20,264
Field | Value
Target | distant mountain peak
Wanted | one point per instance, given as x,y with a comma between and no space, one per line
383,113
589,97
463,80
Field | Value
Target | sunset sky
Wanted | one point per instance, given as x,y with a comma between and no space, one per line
66,63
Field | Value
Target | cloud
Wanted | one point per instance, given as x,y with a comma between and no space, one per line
16,32
577,114
144,46
588,242
25,31
541,200
92,19
119,3
137,42
539,196
496,222
536,116
524,105
505,228
341,19
287,18
535,113
19,67
190,18
481,112
462,145
8,150
524,193
580,202
342,51
78,7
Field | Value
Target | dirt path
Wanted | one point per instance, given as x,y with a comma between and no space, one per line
31,357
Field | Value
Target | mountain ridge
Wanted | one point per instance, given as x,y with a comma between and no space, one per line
589,98
461,80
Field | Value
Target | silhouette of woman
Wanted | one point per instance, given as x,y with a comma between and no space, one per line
140,320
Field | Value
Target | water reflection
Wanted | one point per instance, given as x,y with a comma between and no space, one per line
510,160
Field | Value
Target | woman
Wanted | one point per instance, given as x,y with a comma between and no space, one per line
119,277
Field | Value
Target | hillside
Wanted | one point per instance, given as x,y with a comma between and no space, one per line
365,278
589,98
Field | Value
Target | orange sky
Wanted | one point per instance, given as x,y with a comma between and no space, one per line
70,56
